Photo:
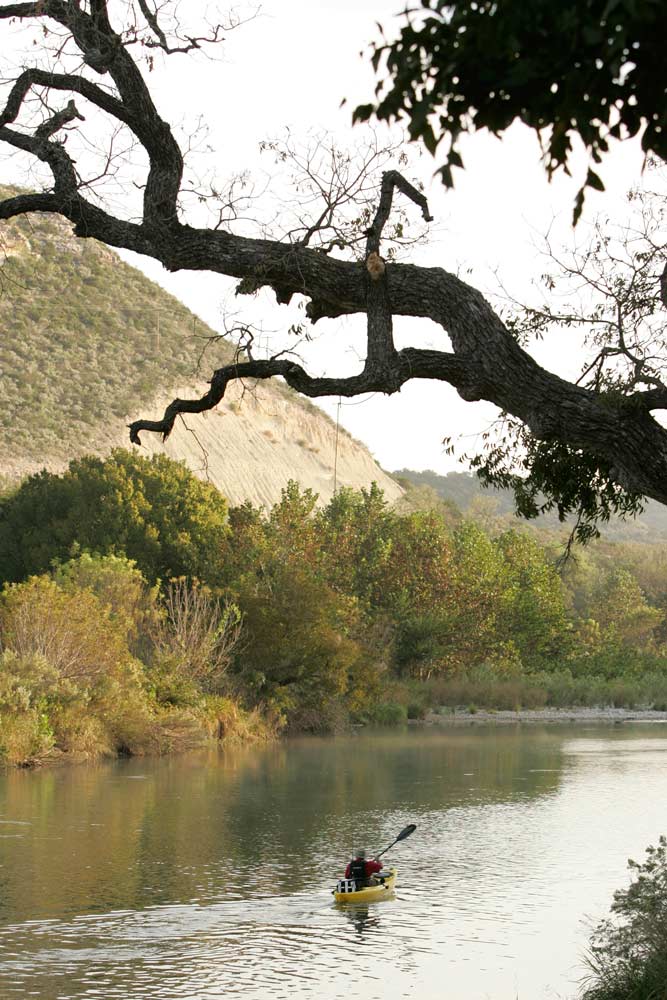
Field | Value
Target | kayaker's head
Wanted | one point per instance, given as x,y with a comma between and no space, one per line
361,853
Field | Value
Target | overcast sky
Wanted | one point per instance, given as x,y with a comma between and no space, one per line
291,66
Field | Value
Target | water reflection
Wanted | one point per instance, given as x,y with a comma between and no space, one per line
363,917
199,876
193,825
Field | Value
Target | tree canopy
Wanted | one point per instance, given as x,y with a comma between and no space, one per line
591,448
153,510
591,70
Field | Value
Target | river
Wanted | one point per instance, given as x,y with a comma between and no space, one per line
209,874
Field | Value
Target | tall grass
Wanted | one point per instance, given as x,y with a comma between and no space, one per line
484,688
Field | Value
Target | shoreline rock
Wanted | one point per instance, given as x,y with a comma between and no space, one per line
462,717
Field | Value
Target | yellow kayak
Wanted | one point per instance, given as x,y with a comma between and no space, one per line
382,887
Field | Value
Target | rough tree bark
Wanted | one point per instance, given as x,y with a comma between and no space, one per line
485,363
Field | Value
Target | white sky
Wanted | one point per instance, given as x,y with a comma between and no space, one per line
291,66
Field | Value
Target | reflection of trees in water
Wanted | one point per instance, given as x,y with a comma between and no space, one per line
251,821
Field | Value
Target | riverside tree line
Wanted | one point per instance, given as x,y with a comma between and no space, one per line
140,613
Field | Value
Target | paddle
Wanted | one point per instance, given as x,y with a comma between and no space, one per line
403,835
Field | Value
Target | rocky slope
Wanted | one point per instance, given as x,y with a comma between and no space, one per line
88,343
255,441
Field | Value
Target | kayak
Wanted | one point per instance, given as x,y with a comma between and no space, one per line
382,887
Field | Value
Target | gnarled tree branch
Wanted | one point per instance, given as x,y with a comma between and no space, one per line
486,362
410,363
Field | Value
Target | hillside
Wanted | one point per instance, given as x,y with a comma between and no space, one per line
88,343
466,492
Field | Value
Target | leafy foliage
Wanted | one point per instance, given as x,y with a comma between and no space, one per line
628,955
71,631
307,615
548,475
593,71
154,511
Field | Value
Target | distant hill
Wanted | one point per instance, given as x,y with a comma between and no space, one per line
88,343
465,491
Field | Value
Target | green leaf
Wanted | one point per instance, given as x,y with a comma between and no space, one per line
429,139
362,113
594,181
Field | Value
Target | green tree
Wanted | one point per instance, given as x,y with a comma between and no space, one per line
357,530
462,624
533,613
154,511
482,581
625,617
298,656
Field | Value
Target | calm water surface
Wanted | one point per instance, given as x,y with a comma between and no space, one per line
209,875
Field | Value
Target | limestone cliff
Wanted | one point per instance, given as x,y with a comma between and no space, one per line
257,440
88,343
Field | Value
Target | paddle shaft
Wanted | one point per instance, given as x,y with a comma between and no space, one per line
403,835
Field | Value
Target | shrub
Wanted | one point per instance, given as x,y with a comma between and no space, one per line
120,589
628,951
71,632
76,731
298,654
196,637
387,713
25,737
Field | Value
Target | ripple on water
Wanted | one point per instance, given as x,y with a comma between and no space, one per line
494,876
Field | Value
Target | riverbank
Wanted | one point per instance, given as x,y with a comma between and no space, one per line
577,714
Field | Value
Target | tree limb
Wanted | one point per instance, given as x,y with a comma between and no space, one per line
410,363
485,362
61,81
392,179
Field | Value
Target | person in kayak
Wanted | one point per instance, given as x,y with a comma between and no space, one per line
362,870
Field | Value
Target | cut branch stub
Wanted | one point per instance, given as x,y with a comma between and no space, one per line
57,121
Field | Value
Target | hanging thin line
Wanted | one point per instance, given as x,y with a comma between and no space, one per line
360,402
336,446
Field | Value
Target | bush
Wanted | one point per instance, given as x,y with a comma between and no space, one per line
628,952
79,733
386,713
121,590
25,737
196,636
153,510
298,655
71,632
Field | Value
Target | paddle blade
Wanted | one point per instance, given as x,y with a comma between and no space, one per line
406,832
